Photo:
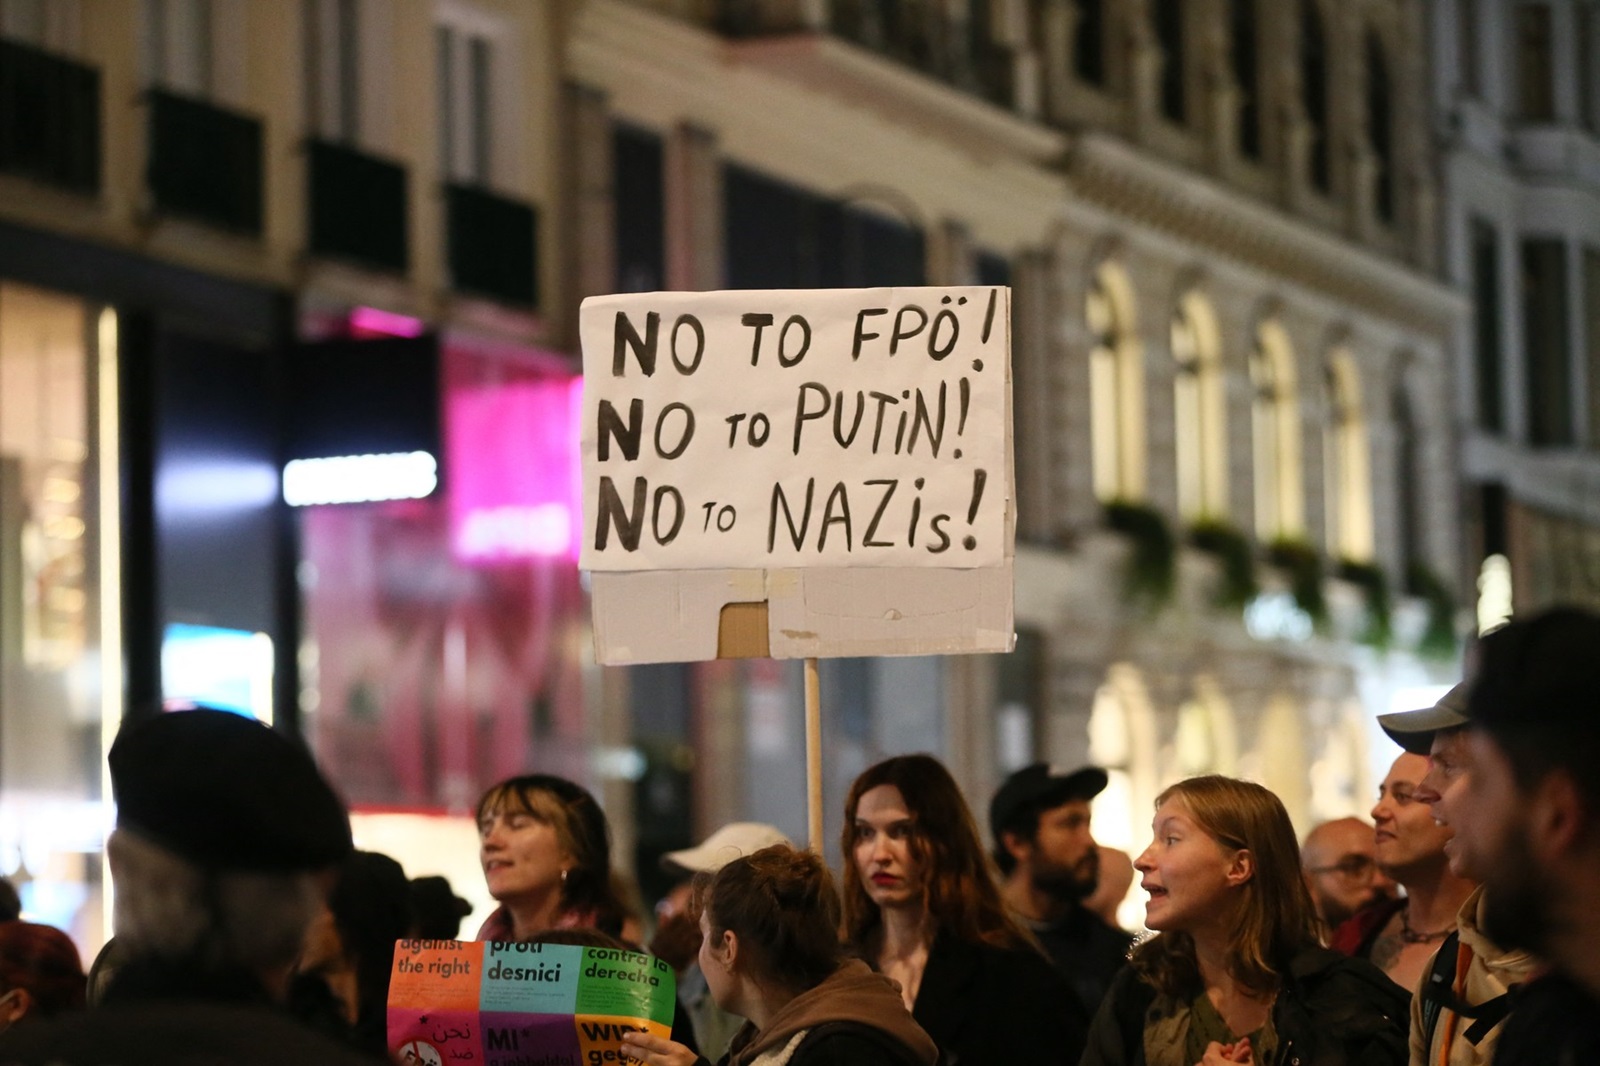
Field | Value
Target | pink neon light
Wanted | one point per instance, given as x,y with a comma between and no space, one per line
512,470
371,322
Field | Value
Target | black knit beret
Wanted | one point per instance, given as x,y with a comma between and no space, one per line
226,792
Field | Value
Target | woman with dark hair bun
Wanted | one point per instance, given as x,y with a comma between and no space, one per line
546,853
770,953
1235,973
921,905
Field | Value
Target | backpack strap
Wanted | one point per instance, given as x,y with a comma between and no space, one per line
1439,992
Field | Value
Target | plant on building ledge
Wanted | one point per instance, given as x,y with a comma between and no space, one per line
1152,566
1237,556
1439,638
1374,583
1303,563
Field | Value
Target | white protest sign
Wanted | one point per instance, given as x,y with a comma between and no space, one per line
834,428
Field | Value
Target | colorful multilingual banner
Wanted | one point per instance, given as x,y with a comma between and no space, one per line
482,1003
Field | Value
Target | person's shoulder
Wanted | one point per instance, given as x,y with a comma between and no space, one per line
846,1043
1550,1016
171,1034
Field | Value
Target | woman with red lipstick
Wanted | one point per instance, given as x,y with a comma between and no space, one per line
1235,973
922,907
546,854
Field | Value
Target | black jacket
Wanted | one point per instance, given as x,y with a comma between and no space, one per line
986,1005
1087,951
158,1015
1332,1011
1552,1023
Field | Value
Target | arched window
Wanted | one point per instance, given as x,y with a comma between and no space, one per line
1247,75
1348,484
1314,95
1116,387
1380,129
1199,411
1275,429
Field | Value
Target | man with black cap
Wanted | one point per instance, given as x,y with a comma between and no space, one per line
225,834
1464,996
1039,818
1529,819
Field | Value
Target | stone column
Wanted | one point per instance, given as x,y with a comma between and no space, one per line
588,223
693,193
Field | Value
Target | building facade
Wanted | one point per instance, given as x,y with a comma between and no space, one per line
235,235
1517,107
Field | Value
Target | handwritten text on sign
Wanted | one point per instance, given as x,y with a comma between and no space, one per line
831,428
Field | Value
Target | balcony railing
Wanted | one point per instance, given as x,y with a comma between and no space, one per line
205,162
493,245
358,207
916,33
49,118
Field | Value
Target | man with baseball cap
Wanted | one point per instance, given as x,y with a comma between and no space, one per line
1528,818
1049,864
1463,998
226,835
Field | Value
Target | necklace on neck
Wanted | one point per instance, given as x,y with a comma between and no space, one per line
1411,936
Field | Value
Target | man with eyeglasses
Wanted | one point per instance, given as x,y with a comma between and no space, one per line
1340,870
1462,1003
1409,846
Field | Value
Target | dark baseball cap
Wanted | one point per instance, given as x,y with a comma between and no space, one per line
1540,671
1041,786
1414,730
226,792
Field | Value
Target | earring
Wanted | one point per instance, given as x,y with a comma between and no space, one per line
563,877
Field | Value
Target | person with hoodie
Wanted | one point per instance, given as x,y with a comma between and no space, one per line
771,954
1235,973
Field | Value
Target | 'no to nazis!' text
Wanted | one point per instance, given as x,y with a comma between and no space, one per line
810,428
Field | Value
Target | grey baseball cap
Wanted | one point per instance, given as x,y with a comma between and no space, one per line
1414,730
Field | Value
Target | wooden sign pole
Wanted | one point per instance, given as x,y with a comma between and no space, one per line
814,759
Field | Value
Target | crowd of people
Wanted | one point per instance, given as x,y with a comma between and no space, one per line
1455,929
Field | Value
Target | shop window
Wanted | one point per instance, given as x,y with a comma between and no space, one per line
1546,341
1314,96
1488,362
1199,408
58,494
1275,431
444,637
1116,387
1347,481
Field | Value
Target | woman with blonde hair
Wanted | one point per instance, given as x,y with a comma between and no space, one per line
921,905
1235,973
771,953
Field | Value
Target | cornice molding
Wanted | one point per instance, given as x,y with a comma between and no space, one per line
1132,183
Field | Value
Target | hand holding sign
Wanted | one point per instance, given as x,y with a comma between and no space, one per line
769,429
